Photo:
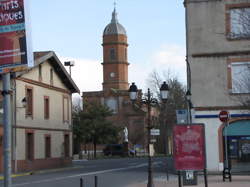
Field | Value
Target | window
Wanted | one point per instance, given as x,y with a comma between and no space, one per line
126,54
112,104
29,146
47,146
65,109
66,145
51,76
239,23
1,140
240,72
29,99
46,107
112,54
40,72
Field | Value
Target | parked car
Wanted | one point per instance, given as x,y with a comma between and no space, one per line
116,149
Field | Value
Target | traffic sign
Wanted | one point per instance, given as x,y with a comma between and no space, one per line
153,140
155,132
224,115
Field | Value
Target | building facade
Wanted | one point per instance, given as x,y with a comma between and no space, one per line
41,120
218,54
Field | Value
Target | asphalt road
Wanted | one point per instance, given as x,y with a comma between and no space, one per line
110,172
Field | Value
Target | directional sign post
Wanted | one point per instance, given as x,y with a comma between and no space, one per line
15,55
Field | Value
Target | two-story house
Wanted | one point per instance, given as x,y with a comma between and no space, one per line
41,120
218,52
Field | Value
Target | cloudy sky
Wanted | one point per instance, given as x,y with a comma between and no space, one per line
73,29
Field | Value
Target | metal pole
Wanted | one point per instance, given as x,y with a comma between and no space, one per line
7,130
179,179
81,182
150,177
205,177
70,71
96,181
226,153
167,171
188,68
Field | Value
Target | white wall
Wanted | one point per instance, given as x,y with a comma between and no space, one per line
38,123
212,126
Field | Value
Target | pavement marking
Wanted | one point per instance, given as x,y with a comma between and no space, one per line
80,175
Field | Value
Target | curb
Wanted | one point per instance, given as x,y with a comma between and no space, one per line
40,172
17,175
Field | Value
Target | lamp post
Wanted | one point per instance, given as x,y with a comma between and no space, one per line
24,102
70,64
148,100
164,87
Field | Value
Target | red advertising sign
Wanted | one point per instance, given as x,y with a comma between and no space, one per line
15,50
189,147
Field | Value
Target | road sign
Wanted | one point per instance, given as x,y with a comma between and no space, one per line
15,49
155,132
151,150
181,116
224,115
153,140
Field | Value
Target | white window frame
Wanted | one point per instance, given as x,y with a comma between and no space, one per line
238,17
240,72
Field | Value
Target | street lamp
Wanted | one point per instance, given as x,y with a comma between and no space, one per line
24,102
164,90
148,100
189,106
70,64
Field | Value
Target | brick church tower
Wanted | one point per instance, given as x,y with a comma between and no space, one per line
115,93
115,63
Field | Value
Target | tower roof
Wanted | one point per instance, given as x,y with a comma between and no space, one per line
114,27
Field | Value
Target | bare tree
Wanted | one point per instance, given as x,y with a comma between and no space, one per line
167,117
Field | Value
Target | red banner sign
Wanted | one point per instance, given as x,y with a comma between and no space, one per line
15,50
189,147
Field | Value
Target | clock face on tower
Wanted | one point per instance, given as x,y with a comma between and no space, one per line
112,74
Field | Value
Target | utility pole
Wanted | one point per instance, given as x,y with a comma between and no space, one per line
7,129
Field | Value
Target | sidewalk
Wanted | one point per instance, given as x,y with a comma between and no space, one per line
213,181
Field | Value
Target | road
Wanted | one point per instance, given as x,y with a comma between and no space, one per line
111,173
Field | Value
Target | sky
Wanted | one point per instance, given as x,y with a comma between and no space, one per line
73,29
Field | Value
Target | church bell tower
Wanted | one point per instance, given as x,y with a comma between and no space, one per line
115,63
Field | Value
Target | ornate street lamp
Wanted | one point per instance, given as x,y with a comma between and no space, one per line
24,102
188,95
133,92
149,101
164,90
189,106
70,64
